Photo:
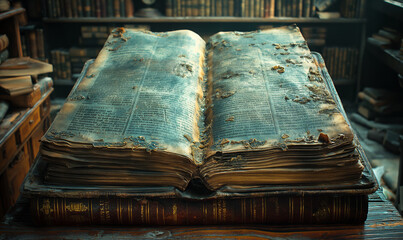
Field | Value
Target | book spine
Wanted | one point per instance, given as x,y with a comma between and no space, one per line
195,8
256,8
300,8
116,8
122,8
263,210
231,8
74,10
184,7
87,8
58,8
218,8
109,8
294,4
45,84
284,8
212,5
278,9
168,8
202,8
307,8
80,9
188,7
40,43
262,9
208,8
98,13
33,49
68,8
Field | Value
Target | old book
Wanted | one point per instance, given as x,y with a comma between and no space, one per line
15,86
29,99
175,128
24,66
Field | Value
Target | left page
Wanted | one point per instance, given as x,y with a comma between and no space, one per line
142,92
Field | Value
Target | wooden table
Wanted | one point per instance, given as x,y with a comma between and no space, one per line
383,222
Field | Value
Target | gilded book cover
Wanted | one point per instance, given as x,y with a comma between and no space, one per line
247,114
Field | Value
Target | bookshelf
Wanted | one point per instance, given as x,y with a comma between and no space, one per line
10,25
383,64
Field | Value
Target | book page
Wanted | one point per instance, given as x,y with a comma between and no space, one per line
265,91
142,91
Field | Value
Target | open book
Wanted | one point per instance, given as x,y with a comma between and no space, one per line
244,111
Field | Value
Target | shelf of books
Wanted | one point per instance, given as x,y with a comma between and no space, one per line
204,20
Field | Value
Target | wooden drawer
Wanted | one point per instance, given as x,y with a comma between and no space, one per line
13,177
7,150
29,124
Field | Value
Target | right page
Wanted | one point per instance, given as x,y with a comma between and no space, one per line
270,117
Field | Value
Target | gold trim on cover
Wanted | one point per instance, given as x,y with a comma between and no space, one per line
46,208
175,213
91,210
224,203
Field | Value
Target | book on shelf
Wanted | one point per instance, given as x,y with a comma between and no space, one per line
32,41
378,103
62,64
164,128
353,8
341,62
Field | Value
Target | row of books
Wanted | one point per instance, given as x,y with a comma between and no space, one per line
241,8
387,38
352,8
32,42
68,62
341,62
88,8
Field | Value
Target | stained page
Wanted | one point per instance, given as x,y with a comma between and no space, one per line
142,91
266,91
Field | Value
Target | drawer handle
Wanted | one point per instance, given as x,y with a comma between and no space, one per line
31,121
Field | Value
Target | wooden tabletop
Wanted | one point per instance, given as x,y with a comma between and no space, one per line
383,222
